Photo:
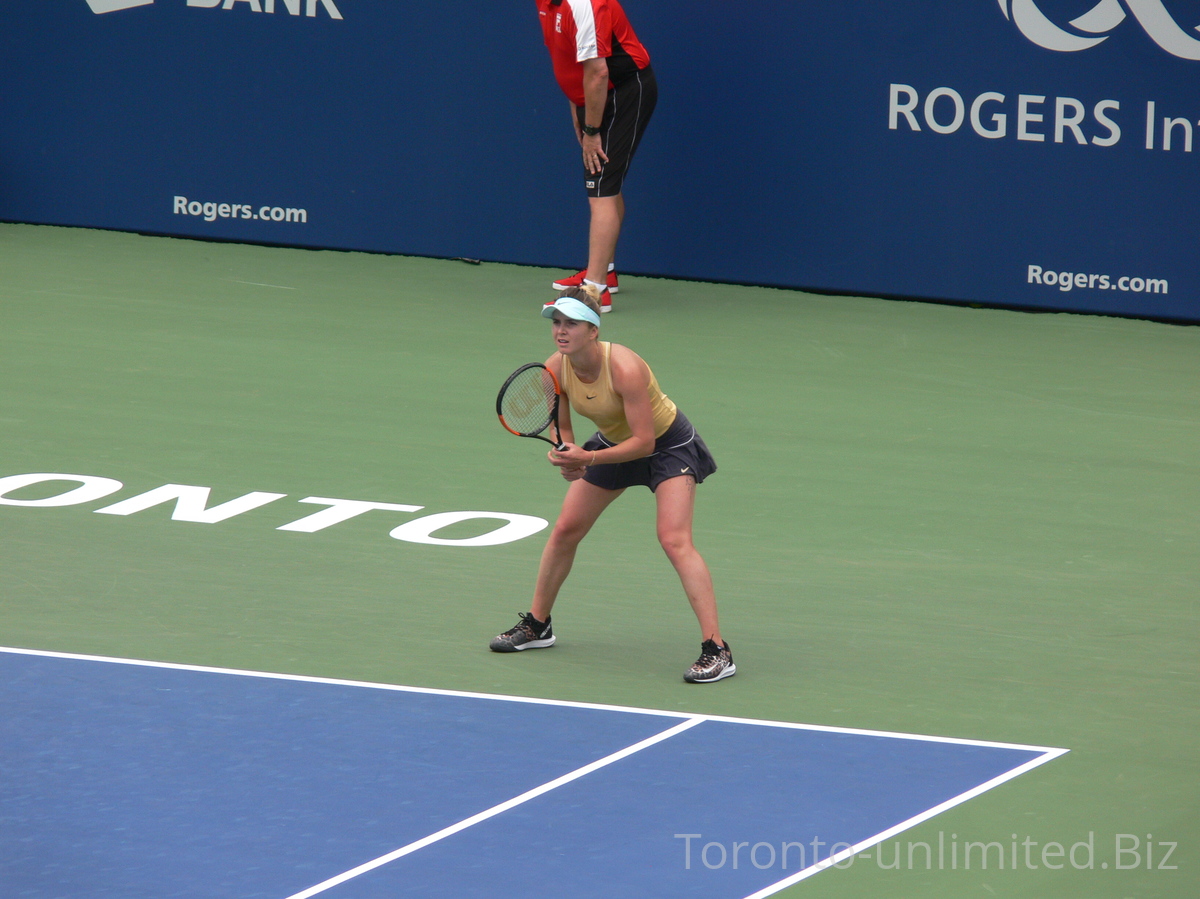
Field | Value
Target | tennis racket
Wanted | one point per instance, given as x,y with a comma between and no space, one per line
528,403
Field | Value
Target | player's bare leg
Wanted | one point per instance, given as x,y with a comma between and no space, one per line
583,504
676,501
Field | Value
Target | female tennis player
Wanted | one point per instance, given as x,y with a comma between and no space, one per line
642,440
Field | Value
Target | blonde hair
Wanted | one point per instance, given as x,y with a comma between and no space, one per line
584,296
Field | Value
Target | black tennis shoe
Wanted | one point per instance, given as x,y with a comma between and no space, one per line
528,633
715,663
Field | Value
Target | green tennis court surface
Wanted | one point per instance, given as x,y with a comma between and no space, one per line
963,522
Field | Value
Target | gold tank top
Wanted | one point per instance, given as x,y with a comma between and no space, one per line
603,405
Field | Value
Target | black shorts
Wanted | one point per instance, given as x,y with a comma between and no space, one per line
679,452
628,110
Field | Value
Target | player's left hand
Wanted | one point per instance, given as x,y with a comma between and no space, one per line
571,457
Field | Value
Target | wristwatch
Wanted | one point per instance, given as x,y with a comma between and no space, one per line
589,130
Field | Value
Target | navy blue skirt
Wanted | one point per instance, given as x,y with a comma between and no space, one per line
679,453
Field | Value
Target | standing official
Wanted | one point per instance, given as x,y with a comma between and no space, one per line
605,72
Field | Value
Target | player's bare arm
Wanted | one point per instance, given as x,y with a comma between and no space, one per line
631,381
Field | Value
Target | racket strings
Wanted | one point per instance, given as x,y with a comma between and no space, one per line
528,402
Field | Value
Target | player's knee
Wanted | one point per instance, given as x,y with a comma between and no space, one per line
568,532
675,544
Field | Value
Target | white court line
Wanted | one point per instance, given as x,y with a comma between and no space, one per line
500,697
496,809
690,720
905,825
258,284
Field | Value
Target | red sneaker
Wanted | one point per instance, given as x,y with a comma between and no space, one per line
577,279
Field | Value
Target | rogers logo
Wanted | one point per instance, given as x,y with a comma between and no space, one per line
1100,20
292,6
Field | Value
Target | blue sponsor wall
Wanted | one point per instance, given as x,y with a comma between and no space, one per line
990,151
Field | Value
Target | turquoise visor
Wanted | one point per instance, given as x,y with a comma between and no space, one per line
571,308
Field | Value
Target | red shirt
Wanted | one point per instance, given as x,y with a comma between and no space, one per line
576,30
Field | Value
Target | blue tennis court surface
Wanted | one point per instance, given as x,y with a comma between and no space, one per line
130,779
